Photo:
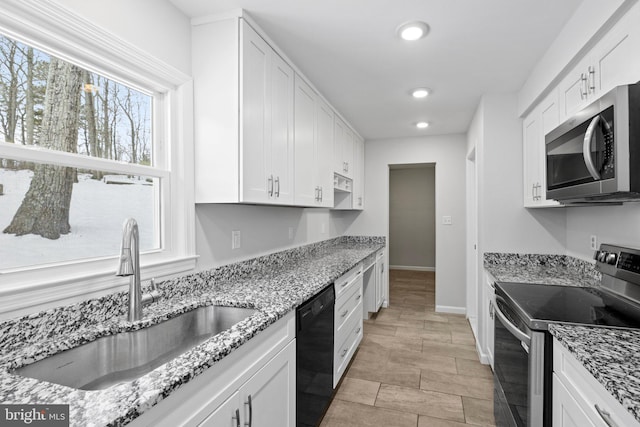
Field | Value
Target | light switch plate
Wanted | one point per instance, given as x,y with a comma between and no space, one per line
236,238
446,220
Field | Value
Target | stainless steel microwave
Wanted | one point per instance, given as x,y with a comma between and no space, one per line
594,156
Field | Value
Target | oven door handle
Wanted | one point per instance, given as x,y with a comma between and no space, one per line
510,326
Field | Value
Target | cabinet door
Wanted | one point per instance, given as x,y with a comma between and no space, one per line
348,147
255,124
566,412
574,91
358,174
340,129
490,301
225,415
281,114
381,279
272,392
531,140
307,192
324,154
616,58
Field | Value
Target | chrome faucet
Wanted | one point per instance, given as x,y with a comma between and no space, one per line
130,266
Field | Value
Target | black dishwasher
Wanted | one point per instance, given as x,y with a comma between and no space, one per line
314,357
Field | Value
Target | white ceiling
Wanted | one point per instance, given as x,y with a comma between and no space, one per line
350,51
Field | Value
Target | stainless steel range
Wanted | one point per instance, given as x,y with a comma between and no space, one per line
523,346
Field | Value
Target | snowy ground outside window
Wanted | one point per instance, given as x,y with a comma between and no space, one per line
98,210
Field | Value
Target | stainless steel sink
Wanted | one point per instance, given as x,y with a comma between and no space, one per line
129,355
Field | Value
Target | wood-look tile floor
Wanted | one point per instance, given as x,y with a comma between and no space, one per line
415,367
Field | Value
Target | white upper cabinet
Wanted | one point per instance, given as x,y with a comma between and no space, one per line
263,135
243,102
266,120
306,187
324,152
358,174
281,150
534,127
343,149
613,61
313,140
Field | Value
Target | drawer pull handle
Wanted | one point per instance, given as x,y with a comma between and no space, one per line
248,402
344,352
358,330
606,417
358,297
344,313
237,418
344,284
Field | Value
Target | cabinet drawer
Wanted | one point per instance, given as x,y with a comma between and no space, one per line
344,352
344,282
347,303
340,335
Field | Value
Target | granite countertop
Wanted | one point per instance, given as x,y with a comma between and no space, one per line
612,356
542,269
274,285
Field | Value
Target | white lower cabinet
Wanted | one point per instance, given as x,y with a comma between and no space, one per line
381,279
579,400
375,279
489,316
265,400
348,314
255,386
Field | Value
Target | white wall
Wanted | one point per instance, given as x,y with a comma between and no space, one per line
156,27
504,224
448,153
264,229
619,225
412,227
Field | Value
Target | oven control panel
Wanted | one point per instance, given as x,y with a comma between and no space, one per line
620,262
629,262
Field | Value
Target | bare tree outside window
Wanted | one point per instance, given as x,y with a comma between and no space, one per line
56,105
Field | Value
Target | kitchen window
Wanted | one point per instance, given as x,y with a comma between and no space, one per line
89,136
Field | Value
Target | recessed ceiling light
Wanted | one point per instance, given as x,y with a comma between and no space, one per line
413,30
422,125
421,92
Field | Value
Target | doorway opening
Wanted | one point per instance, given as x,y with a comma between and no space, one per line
412,220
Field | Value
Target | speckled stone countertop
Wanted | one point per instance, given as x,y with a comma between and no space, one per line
274,285
612,356
543,269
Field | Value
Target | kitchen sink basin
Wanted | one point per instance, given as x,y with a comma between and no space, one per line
127,356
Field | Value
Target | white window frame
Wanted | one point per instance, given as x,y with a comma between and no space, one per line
47,26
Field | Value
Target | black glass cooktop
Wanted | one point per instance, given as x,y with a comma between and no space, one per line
538,305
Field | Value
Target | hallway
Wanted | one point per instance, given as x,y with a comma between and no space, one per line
414,367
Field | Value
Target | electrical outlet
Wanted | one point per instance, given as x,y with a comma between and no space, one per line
236,238
290,233
594,242
446,220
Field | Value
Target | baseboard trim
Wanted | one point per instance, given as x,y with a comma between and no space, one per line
450,309
411,267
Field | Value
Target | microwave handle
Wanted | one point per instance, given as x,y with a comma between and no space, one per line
586,147
510,326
